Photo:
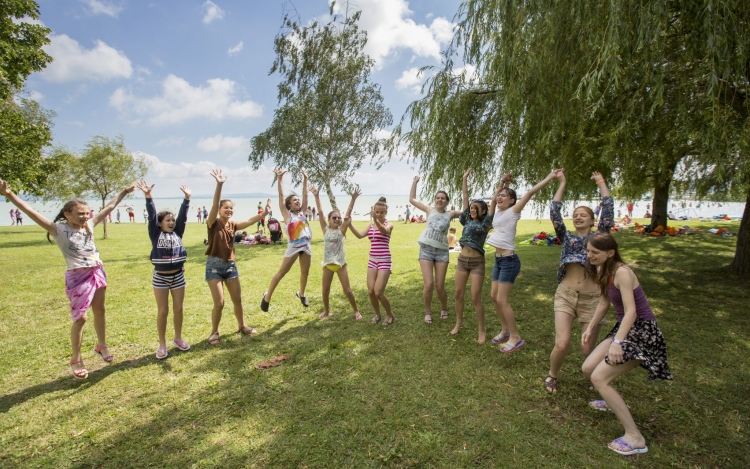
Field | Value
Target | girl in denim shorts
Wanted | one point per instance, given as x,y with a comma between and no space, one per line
220,265
507,263
433,249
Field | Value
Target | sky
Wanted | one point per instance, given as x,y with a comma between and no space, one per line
186,81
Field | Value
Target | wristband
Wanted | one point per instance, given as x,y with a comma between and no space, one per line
618,342
599,181
8,193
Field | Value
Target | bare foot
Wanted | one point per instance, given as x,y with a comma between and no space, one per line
457,328
482,337
323,315
357,316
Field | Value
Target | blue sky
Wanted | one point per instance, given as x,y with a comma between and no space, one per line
186,82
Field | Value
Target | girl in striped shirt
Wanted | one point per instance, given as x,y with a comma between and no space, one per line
379,264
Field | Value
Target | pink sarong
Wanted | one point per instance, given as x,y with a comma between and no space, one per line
80,286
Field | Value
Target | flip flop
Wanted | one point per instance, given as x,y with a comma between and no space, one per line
599,405
161,353
213,339
501,339
184,346
357,315
247,330
624,448
512,348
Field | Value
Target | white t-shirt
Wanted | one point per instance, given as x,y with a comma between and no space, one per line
503,234
435,232
77,246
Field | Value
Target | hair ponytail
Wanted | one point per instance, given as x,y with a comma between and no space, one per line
67,208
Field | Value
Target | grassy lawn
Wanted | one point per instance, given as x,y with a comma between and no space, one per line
352,394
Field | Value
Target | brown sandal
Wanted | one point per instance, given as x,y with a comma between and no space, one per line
213,339
550,384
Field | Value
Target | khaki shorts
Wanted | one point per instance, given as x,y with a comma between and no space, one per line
579,304
473,265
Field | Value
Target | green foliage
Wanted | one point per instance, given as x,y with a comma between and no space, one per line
329,109
25,129
101,171
21,44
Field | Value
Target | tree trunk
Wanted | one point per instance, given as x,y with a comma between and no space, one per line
331,197
104,204
660,204
741,263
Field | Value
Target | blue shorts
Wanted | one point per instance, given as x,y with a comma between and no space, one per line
433,254
219,269
506,269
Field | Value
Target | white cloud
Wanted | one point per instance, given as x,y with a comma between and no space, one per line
410,80
170,142
72,62
213,12
180,101
36,96
97,7
236,49
390,29
232,146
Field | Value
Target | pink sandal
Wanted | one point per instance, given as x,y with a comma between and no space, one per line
105,358
81,373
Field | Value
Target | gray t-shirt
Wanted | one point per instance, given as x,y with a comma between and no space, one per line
435,234
77,246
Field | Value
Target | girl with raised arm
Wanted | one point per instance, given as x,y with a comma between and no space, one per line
168,256
433,249
477,222
577,294
334,261
220,265
299,237
85,280
507,263
634,341
379,264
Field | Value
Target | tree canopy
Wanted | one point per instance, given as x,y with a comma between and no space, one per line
102,170
329,110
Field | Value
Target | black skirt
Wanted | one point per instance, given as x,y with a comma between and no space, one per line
644,342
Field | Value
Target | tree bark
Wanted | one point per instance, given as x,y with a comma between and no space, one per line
741,263
660,204
331,197
104,204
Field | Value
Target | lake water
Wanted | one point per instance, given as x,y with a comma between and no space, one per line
247,207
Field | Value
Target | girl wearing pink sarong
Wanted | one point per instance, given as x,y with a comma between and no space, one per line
85,280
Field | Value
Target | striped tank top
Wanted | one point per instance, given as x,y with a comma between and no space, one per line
378,243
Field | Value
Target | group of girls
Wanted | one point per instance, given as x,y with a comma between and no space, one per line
591,274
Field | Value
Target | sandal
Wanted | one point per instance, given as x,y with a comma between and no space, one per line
161,353
505,348
622,447
247,330
599,405
213,339
443,314
79,373
357,316
500,338
550,384
389,320
375,320
108,358
302,299
428,317
184,346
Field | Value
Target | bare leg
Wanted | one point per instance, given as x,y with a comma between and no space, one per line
563,325
343,274
178,299
76,335
162,312
476,299
217,293
441,270
589,346
100,321
304,271
429,284
380,284
327,279
460,278
372,277
286,264
235,293
503,323
503,294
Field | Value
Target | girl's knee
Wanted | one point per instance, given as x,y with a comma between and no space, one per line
428,286
562,346
476,299
459,295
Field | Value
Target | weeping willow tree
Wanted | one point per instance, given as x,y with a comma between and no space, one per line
636,90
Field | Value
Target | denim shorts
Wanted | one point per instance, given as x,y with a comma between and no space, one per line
219,269
433,254
506,268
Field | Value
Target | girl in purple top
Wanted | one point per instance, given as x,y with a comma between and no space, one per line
635,340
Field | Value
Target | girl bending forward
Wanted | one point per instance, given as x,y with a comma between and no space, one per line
85,280
334,261
634,341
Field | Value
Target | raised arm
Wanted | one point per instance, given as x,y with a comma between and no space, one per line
321,219
304,188
555,208
153,230
384,228
112,204
214,212
181,222
504,182
465,188
607,215
561,188
282,207
38,218
255,218
413,198
530,193
356,192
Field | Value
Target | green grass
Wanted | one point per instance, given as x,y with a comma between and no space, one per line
355,395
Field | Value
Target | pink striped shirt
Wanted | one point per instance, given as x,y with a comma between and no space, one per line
378,243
